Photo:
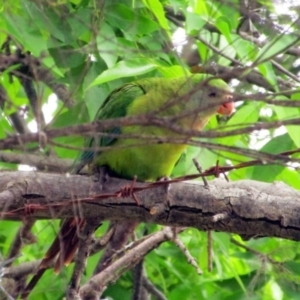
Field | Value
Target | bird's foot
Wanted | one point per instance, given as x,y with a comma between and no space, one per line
100,175
167,185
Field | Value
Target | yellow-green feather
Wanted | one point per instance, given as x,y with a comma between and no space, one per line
165,97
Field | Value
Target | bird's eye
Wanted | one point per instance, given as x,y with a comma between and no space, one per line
212,94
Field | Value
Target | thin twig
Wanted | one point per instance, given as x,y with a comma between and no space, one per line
209,251
190,259
85,240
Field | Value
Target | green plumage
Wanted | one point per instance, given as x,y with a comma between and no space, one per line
165,98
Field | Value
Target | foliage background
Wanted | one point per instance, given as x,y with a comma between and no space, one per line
92,47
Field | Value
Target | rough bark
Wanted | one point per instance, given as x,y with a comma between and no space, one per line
249,208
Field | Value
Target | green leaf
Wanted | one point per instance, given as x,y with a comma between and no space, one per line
129,20
79,22
200,8
107,45
227,49
266,69
77,115
30,38
223,24
134,67
173,71
7,240
243,281
5,127
244,49
95,95
204,52
276,145
279,144
67,56
293,266
194,23
40,16
296,95
158,10
279,44
286,113
247,114
290,177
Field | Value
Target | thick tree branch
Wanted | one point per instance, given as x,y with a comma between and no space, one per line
249,208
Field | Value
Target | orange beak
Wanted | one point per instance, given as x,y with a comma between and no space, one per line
226,108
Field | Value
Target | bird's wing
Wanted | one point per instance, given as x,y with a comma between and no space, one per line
115,106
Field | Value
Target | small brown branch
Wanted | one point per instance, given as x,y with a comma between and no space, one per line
46,163
86,238
122,232
24,75
199,169
190,259
96,285
138,274
101,242
209,251
243,74
98,126
24,236
21,270
157,294
8,286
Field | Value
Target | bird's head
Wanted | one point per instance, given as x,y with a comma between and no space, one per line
210,96
219,96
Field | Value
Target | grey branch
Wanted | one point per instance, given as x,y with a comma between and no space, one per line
254,209
97,284
47,163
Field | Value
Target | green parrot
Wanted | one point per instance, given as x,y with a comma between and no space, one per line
166,98
191,100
